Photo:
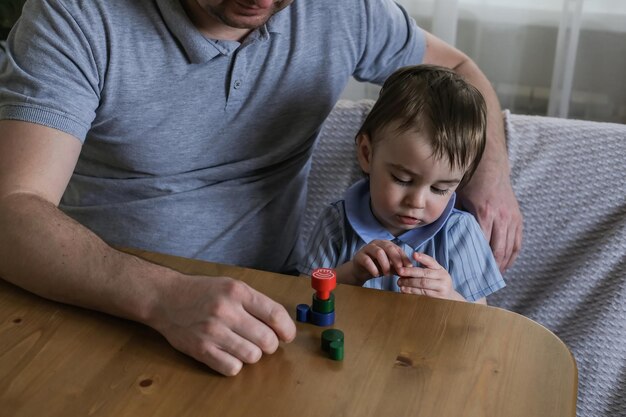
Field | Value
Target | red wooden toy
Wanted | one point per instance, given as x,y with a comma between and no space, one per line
323,280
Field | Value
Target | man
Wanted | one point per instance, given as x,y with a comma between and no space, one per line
187,128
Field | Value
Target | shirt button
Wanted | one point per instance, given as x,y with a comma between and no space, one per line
237,84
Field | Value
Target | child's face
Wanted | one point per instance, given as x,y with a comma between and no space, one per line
409,187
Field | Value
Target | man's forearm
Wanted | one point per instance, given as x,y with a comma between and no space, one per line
489,194
44,251
494,164
48,253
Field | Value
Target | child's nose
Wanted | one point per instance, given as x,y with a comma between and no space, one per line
416,199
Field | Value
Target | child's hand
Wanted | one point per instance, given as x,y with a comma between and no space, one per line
431,280
378,258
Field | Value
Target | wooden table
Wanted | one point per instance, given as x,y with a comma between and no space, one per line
404,356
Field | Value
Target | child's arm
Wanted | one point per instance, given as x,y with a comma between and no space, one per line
379,257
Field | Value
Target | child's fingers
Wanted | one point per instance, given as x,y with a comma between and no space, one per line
397,257
418,272
412,272
371,267
386,257
413,290
404,260
426,260
365,262
419,291
380,255
424,284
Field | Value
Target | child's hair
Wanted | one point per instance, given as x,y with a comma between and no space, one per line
438,101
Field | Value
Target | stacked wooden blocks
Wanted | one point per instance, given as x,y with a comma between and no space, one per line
322,311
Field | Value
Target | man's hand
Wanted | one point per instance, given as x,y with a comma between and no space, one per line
431,280
494,205
221,322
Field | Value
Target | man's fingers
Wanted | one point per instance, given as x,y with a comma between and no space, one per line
498,242
220,361
495,234
223,322
485,221
506,241
269,313
509,243
503,229
257,337
217,347
517,246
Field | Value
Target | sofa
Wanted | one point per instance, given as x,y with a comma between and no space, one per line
570,179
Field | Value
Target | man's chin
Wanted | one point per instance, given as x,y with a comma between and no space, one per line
244,22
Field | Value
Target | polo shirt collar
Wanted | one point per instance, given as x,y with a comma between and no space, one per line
200,49
280,22
362,220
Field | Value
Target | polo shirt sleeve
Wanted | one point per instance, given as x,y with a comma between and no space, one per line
50,76
471,263
324,246
391,39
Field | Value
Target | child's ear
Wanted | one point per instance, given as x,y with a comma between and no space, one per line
364,151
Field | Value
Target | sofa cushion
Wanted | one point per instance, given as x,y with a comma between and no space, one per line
570,179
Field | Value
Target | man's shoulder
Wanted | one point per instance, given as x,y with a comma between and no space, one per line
100,17
91,8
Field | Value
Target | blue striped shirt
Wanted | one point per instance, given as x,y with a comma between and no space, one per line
455,240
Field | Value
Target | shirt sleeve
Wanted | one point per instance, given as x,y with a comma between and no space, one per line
323,248
471,263
49,75
391,39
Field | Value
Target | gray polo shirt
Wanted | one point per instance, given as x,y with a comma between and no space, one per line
191,146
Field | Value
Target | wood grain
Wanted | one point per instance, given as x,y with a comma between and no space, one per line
404,356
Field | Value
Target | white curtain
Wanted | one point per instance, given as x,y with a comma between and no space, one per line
561,58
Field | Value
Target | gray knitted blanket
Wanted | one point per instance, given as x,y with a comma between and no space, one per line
570,179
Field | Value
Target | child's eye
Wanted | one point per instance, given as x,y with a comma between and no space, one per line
439,191
400,181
